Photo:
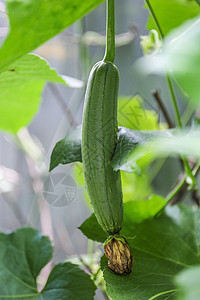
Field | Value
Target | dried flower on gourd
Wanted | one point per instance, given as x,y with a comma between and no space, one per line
118,253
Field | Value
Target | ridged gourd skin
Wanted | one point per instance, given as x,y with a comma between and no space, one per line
99,138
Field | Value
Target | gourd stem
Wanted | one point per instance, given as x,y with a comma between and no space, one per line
110,34
191,179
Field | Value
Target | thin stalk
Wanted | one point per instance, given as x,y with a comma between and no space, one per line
189,178
176,189
110,34
177,114
155,18
180,184
186,116
161,105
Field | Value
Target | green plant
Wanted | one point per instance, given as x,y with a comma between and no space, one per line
164,239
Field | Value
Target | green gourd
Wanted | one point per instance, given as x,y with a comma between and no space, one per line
99,138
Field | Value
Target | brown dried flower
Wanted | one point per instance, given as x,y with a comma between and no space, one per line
118,253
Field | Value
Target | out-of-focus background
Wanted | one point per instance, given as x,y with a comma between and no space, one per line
55,203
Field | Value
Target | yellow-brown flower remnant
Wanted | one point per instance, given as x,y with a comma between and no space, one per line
118,253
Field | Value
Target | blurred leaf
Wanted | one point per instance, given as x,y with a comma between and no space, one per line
162,247
135,187
21,86
180,57
188,282
22,256
34,22
129,149
172,14
133,115
144,209
67,150
183,143
78,175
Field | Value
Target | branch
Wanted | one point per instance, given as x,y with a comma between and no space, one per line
160,103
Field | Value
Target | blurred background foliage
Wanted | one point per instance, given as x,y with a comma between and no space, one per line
24,158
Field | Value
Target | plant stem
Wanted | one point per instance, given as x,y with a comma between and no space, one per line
161,105
176,189
177,114
180,184
189,178
155,18
110,34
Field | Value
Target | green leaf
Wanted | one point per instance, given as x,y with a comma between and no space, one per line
136,150
188,282
180,57
92,230
172,14
133,115
34,22
63,282
23,254
128,153
21,86
136,187
162,247
67,150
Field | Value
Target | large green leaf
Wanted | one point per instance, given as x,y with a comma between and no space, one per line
180,57
34,22
172,13
21,85
162,247
188,282
22,256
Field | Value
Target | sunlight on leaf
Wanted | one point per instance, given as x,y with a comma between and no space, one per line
135,187
172,14
21,86
33,22
133,115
